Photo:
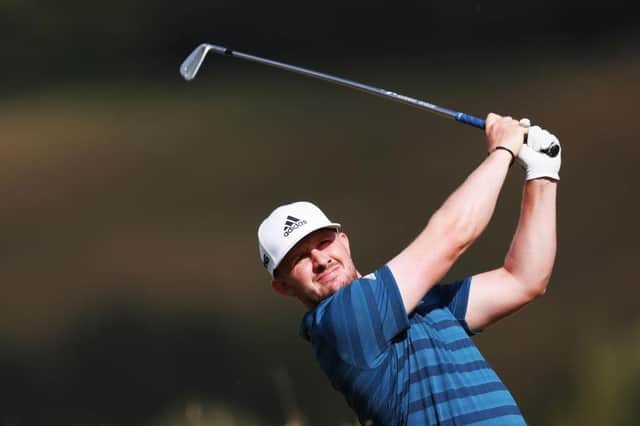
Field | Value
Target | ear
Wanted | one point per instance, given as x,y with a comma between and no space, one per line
281,287
344,239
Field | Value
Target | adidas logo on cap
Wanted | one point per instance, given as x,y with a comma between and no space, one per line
292,224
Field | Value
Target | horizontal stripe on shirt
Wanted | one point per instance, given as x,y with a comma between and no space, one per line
459,393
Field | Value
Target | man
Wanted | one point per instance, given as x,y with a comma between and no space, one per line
393,342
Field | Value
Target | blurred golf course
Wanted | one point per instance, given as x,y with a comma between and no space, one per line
132,289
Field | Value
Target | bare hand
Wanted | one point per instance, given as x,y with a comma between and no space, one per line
504,131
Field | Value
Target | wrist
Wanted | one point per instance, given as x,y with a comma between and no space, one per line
541,174
542,182
545,179
506,150
541,187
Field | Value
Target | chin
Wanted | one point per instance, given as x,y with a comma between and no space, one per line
328,289
339,282
343,279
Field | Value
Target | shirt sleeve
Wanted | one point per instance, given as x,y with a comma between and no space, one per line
453,296
361,319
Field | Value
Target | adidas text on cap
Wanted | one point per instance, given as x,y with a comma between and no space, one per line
284,227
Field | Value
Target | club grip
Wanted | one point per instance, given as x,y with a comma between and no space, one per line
470,120
552,150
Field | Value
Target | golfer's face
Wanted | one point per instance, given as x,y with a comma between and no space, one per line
318,266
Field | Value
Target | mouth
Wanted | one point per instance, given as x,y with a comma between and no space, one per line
327,275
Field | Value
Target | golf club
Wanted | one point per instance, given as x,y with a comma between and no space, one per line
191,65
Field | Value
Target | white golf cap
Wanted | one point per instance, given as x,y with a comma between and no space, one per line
284,227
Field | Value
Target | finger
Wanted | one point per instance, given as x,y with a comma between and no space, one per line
491,118
525,122
547,140
535,136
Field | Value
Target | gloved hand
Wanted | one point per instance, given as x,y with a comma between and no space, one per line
535,163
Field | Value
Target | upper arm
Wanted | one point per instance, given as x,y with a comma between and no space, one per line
494,295
425,261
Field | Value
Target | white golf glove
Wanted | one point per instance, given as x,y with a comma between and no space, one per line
535,163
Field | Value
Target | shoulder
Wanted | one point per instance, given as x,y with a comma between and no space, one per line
362,317
339,306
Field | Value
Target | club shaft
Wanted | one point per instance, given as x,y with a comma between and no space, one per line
444,112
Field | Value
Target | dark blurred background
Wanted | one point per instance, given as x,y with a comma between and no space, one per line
132,293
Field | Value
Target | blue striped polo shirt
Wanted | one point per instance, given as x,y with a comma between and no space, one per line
394,369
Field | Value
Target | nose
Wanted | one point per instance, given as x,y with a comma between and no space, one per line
320,259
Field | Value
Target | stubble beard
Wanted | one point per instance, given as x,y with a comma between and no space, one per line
346,275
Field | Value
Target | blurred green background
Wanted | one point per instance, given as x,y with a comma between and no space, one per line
132,293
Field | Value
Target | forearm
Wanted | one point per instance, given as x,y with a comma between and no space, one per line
468,210
533,249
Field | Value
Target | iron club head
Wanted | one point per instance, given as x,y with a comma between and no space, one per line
191,65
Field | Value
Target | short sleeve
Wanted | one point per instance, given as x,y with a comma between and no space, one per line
454,296
361,319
